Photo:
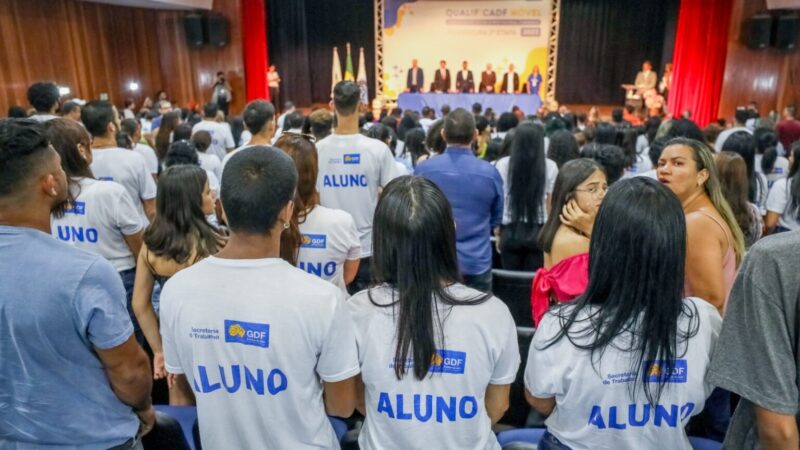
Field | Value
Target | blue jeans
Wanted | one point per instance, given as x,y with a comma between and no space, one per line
550,442
128,277
481,281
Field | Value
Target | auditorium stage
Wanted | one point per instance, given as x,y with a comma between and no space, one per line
500,103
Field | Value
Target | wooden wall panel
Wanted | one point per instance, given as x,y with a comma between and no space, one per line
771,77
98,48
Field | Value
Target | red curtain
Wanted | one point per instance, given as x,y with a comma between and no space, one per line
254,43
701,46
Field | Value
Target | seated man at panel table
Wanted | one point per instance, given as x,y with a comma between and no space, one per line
488,80
464,81
442,80
415,80
510,83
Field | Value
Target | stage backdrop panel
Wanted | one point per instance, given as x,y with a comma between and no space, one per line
498,33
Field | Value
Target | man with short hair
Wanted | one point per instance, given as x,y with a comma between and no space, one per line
352,170
133,128
488,80
415,78
477,109
221,137
475,191
321,123
739,120
163,107
127,112
43,96
465,83
288,108
788,129
270,348
428,118
762,329
120,165
442,80
259,119
510,84
222,94
71,110
72,374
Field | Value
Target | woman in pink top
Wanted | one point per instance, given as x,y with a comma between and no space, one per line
715,243
579,189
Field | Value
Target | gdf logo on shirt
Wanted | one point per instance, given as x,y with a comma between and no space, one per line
247,333
448,361
352,158
313,241
76,208
657,371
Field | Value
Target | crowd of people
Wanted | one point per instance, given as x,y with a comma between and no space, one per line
277,270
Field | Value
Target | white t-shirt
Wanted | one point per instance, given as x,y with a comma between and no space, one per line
98,221
42,118
329,239
594,408
128,169
779,170
446,410
256,338
245,138
229,156
780,200
211,163
352,168
149,156
551,172
640,167
725,134
221,136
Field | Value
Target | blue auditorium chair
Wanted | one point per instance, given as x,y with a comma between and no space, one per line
699,443
519,437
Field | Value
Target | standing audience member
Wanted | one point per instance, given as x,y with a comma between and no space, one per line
321,123
134,129
259,118
17,112
733,181
788,129
127,111
563,147
71,110
477,205
222,94
424,337
202,140
43,96
100,216
293,367
767,161
352,170
163,136
330,247
415,147
762,323
623,367
109,162
72,372
783,204
528,179
578,193
739,120
178,238
221,137
745,145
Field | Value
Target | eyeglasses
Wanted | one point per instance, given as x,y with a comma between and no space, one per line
594,191
309,137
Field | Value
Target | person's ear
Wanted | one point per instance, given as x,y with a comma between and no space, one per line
50,185
443,135
287,212
702,177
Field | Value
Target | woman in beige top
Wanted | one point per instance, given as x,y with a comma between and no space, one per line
178,237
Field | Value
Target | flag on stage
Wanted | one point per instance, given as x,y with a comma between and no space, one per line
361,79
336,76
349,74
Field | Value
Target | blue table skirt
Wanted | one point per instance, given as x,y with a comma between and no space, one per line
500,103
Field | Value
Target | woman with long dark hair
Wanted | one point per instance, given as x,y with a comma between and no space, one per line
744,144
767,160
783,204
715,241
100,217
178,237
563,147
163,138
528,179
733,180
580,188
623,366
329,244
437,358
414,148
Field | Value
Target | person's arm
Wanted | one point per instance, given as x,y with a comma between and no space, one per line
350,270
361,404
777,431
704,261
146,315
543,406
149,207
771,221
340,397
134,242
497,401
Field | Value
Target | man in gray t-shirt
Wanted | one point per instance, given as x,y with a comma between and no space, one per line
758,352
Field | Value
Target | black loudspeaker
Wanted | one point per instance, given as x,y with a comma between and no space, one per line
193,24
758,31
784,34
217,30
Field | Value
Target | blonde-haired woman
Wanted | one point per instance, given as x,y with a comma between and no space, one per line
715,243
